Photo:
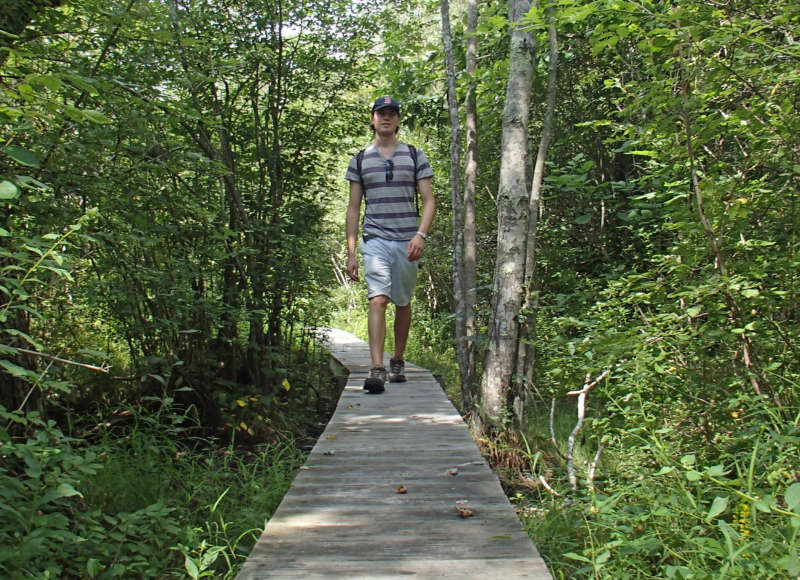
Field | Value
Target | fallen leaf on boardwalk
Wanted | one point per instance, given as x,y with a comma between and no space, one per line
329,453
464,512
453,471
401,489
331,436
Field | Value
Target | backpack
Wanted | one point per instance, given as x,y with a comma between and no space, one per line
413,152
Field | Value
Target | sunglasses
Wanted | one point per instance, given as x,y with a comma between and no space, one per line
389,166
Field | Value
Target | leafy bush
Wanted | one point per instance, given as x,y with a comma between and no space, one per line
137,504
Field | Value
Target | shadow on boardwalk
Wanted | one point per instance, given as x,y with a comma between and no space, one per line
381,493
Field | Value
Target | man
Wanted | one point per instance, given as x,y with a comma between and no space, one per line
392,240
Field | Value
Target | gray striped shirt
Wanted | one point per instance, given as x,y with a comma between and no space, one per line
390,212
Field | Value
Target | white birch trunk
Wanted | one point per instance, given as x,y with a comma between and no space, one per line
455,192
527,351
467,366
512,226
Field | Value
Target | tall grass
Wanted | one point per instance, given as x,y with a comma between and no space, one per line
138,503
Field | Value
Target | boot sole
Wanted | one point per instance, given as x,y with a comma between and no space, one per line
374,386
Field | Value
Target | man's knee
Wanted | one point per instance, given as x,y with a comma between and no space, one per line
379,301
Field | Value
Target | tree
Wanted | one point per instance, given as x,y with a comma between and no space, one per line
512,225
468,278
526,351
460,288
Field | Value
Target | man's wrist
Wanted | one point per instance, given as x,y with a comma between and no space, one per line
422,235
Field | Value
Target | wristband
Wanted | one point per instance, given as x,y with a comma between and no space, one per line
423,235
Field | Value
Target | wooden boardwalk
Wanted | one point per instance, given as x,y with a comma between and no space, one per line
380,493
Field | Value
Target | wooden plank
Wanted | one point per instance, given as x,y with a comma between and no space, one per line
344,518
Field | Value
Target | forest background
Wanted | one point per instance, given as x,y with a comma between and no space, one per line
172,234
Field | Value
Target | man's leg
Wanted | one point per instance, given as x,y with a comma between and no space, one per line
376,324
402,324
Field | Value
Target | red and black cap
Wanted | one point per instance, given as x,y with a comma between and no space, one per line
384,102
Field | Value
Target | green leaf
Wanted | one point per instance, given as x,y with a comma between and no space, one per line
210,557
693,475
578,557
584,219
96,117
191,567
22,156
8,190
666,469
716,471
792,497
93,567
63,490
82,83
51,82
790,563
765,504
18,371
719,505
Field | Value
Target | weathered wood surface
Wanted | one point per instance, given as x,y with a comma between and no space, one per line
343,518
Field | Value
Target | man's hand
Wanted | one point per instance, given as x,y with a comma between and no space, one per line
415,247
352,268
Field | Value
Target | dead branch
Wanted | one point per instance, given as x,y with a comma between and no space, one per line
104,369
593,466
587,386
543,481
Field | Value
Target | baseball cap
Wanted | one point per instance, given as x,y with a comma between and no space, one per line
383,102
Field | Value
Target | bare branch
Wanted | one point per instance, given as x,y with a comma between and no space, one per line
587,386
593,466
543,481
52,358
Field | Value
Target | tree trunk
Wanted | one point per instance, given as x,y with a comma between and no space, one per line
455,194
512,227
527,352
468,280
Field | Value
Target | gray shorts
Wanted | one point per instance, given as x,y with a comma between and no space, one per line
388,271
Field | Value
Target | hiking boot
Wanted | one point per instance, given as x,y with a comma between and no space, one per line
374,383
397,370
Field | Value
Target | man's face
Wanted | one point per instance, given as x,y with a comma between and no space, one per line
385,120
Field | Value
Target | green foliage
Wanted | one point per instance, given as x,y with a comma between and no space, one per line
666,515
73,510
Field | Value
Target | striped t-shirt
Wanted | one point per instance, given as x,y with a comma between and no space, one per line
390,212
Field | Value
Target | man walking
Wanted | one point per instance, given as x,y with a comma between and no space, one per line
387,174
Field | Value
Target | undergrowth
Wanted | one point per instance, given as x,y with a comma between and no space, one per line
143,492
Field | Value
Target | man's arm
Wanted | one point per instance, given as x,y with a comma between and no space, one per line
351,226
417,243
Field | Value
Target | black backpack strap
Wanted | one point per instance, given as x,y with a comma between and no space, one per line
359,159
413,151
